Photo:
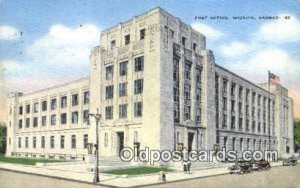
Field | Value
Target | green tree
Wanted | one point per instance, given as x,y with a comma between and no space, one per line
297,133
2,138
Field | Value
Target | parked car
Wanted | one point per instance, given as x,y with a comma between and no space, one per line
240,167
262,165
291,161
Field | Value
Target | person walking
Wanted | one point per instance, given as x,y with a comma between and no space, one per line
184,162
188,166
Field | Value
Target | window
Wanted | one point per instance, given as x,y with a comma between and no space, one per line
86,97
35,122
26,142
123,68
34,142
224,103
142,34
52,142
64,102
44,120
109,72
187,92
27,122
138,86
35,107
172,33
108,112
63,118
109,92
183,41
53,104
187,71
105,139
232,106
187,112
198,115
240,123
62,142
53,120
28,108
123,111
73,142
86,116
20,123
240,92
224,123
233,85
138,109
85,141
194,46
75,117
123,89
43,142
232,122
224,86
139,64
198,94
20,110
19,142
74,99
44,106
112,44
127,39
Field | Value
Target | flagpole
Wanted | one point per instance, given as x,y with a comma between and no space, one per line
269,109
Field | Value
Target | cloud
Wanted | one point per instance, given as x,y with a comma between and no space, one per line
235,48
9,33
209,32
13,65
63,45
281,30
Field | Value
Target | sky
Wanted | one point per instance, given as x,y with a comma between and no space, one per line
44,43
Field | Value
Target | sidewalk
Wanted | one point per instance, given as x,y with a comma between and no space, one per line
113,180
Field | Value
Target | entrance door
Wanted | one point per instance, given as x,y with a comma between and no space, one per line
120,141
190,141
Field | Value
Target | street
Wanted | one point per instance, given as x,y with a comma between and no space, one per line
277,177
280,177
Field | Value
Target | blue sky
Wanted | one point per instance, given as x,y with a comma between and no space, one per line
43,43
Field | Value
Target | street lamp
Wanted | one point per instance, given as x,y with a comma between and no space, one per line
97,117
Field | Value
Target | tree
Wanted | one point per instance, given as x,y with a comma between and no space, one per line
2,138
297,133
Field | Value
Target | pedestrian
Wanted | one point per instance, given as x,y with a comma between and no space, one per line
184,166
188,166
162,177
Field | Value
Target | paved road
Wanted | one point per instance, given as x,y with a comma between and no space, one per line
277,177
281,177
10,179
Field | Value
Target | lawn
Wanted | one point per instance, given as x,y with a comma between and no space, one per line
26,161
137,171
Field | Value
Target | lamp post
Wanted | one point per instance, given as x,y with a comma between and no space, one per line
97,117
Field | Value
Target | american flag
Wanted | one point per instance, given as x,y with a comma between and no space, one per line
274,79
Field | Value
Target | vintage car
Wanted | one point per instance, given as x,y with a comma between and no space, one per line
291,161
240,167
261,165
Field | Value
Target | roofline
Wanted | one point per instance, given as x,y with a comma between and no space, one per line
57,86
242,78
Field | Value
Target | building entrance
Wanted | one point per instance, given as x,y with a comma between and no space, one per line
120,141
190,141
